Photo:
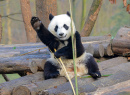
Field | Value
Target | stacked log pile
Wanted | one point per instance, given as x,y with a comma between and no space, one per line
30,58
121,43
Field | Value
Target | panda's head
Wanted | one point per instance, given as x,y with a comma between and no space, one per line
60,26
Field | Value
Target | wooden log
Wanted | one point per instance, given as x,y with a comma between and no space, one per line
98,50
120,51
116,87
95,39
89,48
7,87
18,66
35,88
23,52
119,76
25,57
111,63
81,82
40,63
123,33
121,43
107,49
111,80
22,45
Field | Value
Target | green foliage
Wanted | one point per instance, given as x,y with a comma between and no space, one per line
10,76
98,61
111,18
120,19
14,47
90,76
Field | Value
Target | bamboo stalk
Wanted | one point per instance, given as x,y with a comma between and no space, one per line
74,50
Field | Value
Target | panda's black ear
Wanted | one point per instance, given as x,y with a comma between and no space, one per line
50,17
68,13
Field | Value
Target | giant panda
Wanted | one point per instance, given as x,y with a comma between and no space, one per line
58,36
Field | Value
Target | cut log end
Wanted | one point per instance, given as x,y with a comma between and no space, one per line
89,48
33,67
107,49
98,50
21,90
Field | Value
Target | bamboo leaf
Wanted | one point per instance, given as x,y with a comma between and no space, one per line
88,76
14,47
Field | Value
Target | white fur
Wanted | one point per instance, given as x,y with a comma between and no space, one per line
60,20
80,64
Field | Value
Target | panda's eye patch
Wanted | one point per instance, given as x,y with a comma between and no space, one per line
56,27
65,26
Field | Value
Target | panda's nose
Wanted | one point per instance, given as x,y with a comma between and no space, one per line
61,34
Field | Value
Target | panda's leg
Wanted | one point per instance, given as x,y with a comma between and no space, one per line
50,70
93,69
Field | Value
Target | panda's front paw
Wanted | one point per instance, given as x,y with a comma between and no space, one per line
35,22
57,55
51,75
96,75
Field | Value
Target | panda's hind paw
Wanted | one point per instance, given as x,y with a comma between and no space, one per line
51,75
96,75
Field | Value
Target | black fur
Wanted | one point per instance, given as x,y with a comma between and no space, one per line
65,26
68,13
46,37
56,27
93,69
50,71
51,17
67,50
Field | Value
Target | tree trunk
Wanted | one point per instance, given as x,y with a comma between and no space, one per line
92,16
0,28
44,8
9,23
26,13
7,87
